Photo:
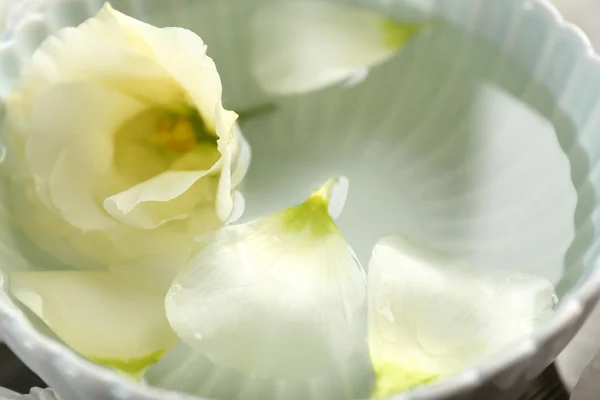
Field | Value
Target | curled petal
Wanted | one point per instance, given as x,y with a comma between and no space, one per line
71,147
242,161
164,198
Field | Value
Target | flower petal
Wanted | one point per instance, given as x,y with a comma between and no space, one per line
69,148
155,273
96,51
306,45
173,195
226,123
249,300
164,198
182,54
430,315
96,314
242,161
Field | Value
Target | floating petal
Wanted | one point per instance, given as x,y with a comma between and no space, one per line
303,46
430,315
278,297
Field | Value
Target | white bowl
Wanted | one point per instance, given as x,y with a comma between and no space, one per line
478,138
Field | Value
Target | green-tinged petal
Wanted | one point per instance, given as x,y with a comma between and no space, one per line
303,46
263,295
131,368
97,315
397,34
431,315
394,378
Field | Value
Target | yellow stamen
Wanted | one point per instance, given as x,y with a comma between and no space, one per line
176,134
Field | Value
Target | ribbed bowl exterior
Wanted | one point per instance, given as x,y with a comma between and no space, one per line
480,138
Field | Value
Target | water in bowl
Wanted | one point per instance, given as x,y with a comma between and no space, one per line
451,142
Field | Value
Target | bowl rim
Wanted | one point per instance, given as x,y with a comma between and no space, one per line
21,336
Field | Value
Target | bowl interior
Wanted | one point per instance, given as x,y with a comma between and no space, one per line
477,138
471,138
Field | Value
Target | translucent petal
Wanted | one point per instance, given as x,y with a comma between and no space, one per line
97,315
306,45
264,295
430,315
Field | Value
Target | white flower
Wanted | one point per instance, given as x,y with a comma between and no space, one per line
431,315
121,154
302,46
121,147
279,297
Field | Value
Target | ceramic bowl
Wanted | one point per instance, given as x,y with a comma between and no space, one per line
479,138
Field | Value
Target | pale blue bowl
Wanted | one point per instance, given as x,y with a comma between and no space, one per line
479,138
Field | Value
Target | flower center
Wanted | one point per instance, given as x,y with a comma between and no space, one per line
158,140
180,133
